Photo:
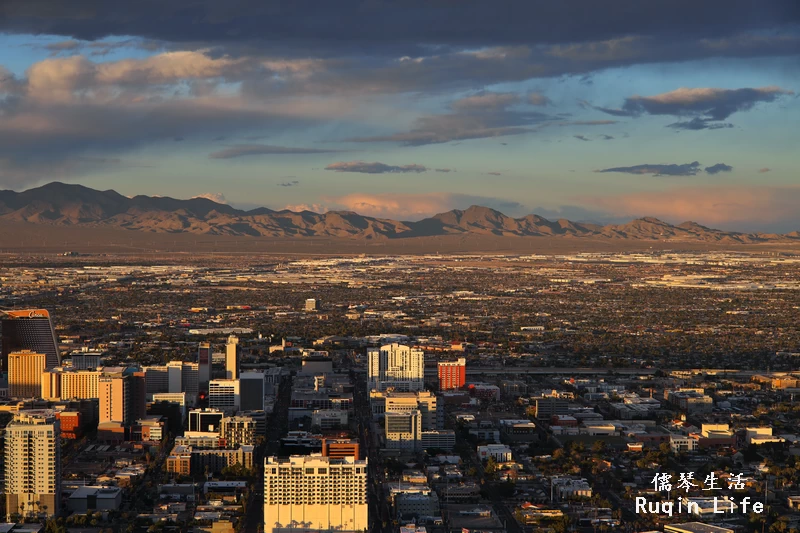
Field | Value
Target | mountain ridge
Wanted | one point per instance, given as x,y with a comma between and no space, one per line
64,204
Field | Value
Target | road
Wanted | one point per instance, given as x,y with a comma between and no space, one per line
279,420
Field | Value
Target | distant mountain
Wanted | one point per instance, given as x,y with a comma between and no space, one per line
75,205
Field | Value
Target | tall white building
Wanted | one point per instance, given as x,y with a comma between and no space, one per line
396,366
232,358
33,464
224,394
312,493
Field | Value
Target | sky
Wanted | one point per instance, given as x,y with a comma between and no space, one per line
590,110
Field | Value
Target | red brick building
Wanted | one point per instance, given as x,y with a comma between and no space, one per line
452,374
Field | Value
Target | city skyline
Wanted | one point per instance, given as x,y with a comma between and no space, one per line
674,110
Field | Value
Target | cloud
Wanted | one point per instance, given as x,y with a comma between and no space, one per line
374,168
494,173
292,183
444,170
698,123
764,170
719,167
69,45
485,101
582,138
707,106
588,123
686,169
350,24
409,206
242,150
538,99
217,197
314,208
742,208
484,115
607,137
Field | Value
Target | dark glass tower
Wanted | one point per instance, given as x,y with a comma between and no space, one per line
30,329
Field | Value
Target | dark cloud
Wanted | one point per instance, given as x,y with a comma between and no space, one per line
588,123
359,22
484,115
719,167
686,169
708,106
582,138
69,45
494,173
242,150
698,123
374,168
444,170
607,137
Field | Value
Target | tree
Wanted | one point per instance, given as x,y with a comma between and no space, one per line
491,467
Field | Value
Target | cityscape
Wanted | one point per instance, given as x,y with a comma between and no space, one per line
399,266
438,393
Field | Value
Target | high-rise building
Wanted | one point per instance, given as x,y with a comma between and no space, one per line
252,387
33,464
432,416
224,394
31,329
403,430
204,364
396,366
311,305
81,384
205,420
25,369
51,384
138,395
232,358
115,398
237,430
316,494
452,374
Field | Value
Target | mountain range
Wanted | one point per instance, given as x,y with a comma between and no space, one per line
73,205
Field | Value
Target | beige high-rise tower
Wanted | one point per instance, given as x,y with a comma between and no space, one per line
115,398
33,464
25,370
232,358
315,494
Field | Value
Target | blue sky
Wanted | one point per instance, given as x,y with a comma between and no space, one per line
403,112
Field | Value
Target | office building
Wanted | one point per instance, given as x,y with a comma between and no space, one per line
252,388
403,431
396,366
315,494
115,398
205,420
85,360
204,364
339,448
157,378
31,329
33,464
25,369
311,305
224,394
232,358
80,384
452,374
236,431
138,395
